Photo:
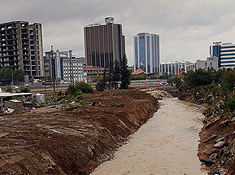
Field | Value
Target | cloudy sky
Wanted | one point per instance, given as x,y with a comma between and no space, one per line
186,27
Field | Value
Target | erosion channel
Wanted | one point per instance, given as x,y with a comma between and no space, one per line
166,144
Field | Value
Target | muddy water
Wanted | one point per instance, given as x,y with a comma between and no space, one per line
166,144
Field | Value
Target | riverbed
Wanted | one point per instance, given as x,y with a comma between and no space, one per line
166,144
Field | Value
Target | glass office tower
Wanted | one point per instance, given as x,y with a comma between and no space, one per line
146,52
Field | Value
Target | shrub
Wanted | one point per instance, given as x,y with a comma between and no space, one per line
81,87
84,87
231,104
100,86
8,88
71,90
24,89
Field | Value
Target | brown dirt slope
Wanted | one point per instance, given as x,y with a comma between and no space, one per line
73,142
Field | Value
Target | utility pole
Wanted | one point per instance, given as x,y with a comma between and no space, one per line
53,67
71,68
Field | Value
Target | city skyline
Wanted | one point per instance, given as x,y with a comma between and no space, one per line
186,27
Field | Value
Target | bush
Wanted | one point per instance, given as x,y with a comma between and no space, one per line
231,104
100,86
71,90
8,88
24,89
80,87
84,87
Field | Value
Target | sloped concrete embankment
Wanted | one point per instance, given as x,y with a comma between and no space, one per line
72,142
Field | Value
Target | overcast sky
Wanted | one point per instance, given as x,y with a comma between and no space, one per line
186,27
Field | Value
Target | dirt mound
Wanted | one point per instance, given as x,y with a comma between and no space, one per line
72,142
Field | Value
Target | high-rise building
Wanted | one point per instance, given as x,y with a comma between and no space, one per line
21,47
146,52
225,53
59,66
104,43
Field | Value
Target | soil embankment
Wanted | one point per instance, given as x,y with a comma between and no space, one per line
217,144
72,142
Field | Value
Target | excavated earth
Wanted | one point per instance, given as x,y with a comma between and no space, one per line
72,142
217,137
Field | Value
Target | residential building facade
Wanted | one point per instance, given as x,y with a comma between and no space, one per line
146,52
210,62
21,47
104,43
225,53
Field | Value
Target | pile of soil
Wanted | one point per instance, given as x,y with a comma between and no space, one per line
72,142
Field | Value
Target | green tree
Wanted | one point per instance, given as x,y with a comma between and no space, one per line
228,80
24,89
72,90
18,75
31,80
125,74
139,77
8,88
198,78
5,75
116,74
101,85
84,87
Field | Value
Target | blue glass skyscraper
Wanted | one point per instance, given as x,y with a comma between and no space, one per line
146,52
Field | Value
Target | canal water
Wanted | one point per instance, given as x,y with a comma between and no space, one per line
165,145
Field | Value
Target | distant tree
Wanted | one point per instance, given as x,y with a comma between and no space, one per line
228,80
5,75
198,78
101,85
72,90
163,76
116,74
49,78
44,78
24,89
84,87
8,88
125,74
31,80
139,77
18,75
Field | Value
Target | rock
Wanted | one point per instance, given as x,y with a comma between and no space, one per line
219,144
220,139
207,161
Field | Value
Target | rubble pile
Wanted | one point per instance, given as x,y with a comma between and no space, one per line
76,141
159,94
